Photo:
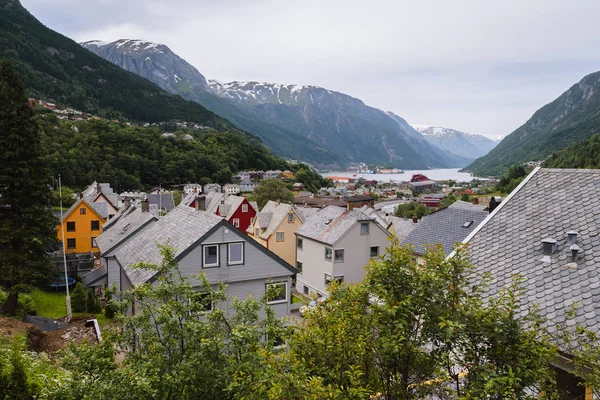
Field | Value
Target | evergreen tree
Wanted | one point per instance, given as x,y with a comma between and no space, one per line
78,298
27,226
90,304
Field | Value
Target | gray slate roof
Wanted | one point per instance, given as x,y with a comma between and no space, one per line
124,227
264,216
443,227
182,227
549,204
164,200
465,205
341,220
402,226
279,214
100,208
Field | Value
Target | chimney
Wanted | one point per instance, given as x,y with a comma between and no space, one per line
475,200
200,203
574,252
571,238
126,203
81,195
549,248
145,206
415,220
493,204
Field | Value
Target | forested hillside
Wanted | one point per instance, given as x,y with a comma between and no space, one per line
584,154
55,67
132,157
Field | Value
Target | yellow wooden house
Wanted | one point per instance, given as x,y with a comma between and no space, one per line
82,223
274,227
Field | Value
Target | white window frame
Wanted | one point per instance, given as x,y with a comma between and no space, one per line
335,253
282,237
256,232
291,218
204,248
330,258
362,224
229,262
329,278
280,301
236,222
244,207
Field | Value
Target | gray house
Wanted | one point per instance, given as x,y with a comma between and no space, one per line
336,244
204,243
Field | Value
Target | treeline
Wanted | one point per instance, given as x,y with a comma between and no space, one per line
511,179
583,154
133,157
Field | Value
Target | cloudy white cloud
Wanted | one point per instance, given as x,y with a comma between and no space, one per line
477,66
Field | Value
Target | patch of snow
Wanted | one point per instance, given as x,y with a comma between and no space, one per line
177,79
122,42
148,59
98,43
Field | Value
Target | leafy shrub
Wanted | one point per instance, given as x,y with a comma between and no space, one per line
109,310
78,298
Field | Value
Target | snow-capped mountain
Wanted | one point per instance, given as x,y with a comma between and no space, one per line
463,144
302,122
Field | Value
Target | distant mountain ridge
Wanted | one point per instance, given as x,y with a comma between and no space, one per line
468,145
296,121
574,116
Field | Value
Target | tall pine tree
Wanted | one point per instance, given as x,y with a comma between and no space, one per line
27,226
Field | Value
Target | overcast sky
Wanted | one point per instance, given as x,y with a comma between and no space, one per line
469,65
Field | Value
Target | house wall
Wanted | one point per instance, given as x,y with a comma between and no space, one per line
256,288
83,229
314,266
111,210
113,271
253,236
286,249
356,248
244,217
257,265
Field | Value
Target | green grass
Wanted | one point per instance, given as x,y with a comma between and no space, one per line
53,305
297,299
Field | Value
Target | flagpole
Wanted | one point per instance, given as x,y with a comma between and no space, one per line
62,228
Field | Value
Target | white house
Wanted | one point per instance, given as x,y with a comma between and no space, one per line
231,188
336,244
248,186
212,187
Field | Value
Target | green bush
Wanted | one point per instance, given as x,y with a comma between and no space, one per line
78,298
109,310
90,303
25,305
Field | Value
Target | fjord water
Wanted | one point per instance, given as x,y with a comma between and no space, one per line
433,174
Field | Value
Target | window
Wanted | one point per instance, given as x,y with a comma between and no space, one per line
375,251
252,221
94,242
276,292
235,253
299,266
364,228
211,255
280,236
256,232
339,256
236,222
70,226
71,243
306,290
329,279
95,225
82,211
202,303
244,207
328,253
291,217
299,243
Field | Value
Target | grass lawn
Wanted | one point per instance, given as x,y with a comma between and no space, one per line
297,299
53,305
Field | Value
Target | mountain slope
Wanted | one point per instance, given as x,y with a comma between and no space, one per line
305,122
335,121
53,66
463,144
157,63
572,117
583,154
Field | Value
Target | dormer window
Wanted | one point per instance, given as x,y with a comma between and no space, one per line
467,224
